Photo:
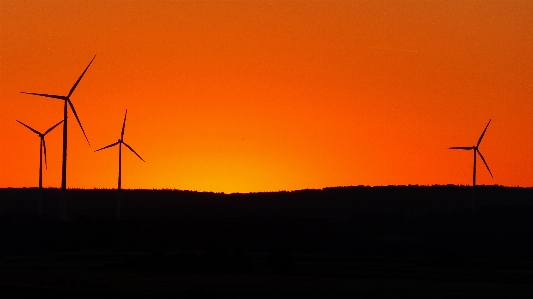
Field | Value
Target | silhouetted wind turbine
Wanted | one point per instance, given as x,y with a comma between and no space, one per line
68,102
120,142
42,146
475,148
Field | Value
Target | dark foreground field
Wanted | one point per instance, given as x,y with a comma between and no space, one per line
365,242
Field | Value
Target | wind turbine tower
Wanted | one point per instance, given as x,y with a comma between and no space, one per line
120,142
68,103
42,146
475,148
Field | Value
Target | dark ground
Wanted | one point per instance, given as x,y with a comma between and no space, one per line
365,242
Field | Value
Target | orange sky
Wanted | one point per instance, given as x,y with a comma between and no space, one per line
247,96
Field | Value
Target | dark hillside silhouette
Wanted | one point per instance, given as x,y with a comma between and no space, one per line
416,221
428,236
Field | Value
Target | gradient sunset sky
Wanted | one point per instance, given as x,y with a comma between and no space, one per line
241,96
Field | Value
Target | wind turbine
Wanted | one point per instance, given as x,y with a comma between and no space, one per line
68,102
475,148
120,142
42,146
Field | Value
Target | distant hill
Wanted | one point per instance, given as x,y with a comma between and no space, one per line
444,222
341,203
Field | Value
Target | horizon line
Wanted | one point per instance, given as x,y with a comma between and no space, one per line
278,191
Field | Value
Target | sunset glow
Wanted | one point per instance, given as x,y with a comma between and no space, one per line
245,96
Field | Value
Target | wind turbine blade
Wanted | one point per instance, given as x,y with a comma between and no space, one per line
461,147
485,162
483,134
79,79
133,151
44,146
111,145
45,95
76,115
123,125
32,129
48,131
